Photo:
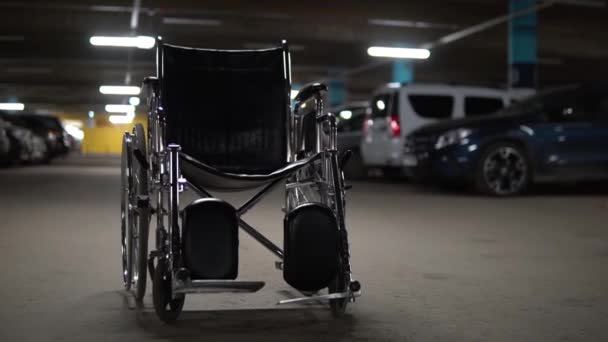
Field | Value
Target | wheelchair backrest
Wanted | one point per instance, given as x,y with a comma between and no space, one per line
227,108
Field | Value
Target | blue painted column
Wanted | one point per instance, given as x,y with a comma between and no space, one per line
403,71
523,47
337,92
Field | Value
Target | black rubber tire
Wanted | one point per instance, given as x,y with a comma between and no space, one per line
167,309
125,233
142,221
480,181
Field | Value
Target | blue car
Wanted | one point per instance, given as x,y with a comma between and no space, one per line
556,136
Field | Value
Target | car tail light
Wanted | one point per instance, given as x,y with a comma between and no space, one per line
366,124
395,125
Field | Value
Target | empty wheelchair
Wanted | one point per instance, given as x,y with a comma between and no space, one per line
221,120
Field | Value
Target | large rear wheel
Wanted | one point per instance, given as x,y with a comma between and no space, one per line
141,213
125,212
341,282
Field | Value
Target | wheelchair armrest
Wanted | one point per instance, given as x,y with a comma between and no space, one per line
310,90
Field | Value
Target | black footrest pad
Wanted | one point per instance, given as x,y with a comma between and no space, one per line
210,239
311,247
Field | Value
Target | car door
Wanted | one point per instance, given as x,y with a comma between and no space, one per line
596,107
575,136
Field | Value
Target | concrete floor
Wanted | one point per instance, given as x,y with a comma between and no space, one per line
434,267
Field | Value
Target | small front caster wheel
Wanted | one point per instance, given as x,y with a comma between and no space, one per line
167,308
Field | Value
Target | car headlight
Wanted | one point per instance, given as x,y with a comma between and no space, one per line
51,136
452,137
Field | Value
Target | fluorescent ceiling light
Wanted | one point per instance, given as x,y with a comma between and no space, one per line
191,21
12,106
411,24
120,108
294,93
141,42
121,119
393,52
134,101
120,90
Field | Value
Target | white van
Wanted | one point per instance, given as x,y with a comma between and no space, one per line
397,110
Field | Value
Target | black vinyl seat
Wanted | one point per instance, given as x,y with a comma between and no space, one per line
205,176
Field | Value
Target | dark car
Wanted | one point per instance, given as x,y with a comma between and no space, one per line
25,146
351,121
558,135
5,143
50,128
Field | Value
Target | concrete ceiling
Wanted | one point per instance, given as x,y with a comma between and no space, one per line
47,62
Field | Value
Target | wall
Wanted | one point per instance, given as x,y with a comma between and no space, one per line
103,137
107,139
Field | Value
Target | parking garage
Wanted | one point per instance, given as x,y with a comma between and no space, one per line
506,94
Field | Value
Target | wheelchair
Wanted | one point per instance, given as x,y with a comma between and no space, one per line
222,120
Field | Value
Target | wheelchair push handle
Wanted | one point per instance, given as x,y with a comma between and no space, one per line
310,90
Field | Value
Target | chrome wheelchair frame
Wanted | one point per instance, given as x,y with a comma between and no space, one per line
319,180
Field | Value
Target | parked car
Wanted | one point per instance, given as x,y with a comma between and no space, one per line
5,143
50,128
558,135
397,111
351,118
25,145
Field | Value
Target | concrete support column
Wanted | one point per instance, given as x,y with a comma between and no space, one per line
403,71
523,47
337,92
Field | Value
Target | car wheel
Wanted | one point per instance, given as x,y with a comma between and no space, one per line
503,170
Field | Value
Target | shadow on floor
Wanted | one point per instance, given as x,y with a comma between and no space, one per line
560,189
281,324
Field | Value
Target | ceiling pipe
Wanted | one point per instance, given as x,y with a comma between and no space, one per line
466,32
469,31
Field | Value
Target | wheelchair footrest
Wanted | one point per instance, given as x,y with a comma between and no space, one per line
348,294
311,241
210,240
219,286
